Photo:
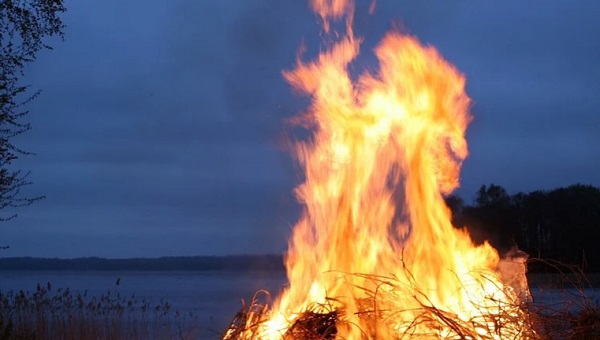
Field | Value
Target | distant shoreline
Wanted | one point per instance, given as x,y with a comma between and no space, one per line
236,263
177,263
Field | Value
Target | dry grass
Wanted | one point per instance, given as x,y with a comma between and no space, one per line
422,321
571,313
310,325
577,317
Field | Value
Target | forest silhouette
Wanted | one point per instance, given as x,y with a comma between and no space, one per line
561,225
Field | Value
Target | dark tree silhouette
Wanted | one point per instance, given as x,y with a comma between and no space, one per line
492,196
491,218
561,224
24,27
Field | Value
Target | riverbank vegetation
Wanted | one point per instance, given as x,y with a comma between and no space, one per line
63,314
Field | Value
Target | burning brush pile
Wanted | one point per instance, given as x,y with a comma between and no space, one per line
374,254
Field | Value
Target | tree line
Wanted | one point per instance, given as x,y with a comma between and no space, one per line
178,263
562,224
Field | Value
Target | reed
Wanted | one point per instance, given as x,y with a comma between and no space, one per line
65,314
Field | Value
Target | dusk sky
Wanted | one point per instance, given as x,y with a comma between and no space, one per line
159,130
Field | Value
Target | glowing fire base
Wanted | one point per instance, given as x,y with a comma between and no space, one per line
491,318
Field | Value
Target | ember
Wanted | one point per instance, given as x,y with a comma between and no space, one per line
374,254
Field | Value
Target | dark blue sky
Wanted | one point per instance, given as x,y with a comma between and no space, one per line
159,128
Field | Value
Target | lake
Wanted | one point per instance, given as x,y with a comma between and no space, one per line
213,298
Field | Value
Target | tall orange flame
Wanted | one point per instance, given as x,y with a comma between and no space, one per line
376,234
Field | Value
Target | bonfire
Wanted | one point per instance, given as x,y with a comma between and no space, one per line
374,254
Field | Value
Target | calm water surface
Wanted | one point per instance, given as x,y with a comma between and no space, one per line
212,297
